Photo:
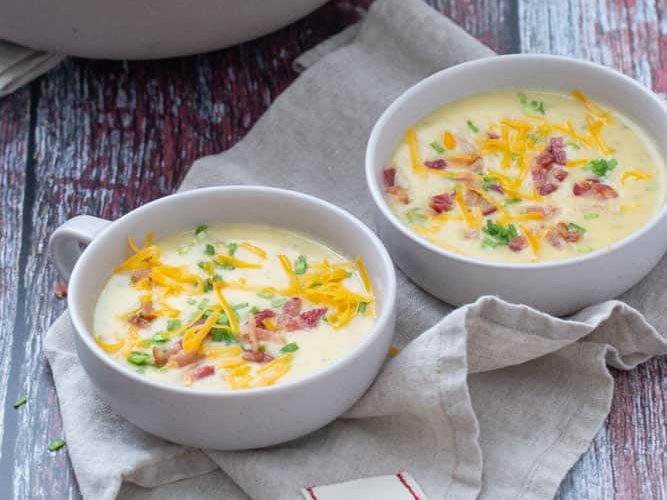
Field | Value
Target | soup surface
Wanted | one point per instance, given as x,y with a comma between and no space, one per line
233,307
525,176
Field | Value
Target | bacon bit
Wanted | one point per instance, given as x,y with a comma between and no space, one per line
518,243
178,355
292,307
471,234
595,188
139,322
400,193
436,164
561,174
312,317
473,199
547,210
492,135
442,202
546,189
262,315
554,238
557,150
389,177
159,357
290,323
570,235
257,356
60,290
147,311
264,334
497,188
249,333
202,372
138,275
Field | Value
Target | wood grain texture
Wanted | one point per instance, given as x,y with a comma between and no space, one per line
627,459
104,137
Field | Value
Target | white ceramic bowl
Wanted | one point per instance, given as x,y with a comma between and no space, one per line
224,419
560,287
141,29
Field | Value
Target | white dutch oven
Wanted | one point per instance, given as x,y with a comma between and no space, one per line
224,419
559,287
143,29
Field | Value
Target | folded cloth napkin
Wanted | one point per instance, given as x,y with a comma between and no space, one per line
491,400
20,65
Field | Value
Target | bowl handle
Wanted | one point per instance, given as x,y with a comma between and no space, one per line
66,242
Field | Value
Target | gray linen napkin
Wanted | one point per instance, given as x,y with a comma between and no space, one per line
20,65
470,388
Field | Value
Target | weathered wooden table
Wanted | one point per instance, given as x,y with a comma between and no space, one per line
105,137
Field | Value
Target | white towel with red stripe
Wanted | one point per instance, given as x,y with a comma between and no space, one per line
20,65
489,401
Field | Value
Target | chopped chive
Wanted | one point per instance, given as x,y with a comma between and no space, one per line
532,107
362,307
300,266
512,201
291,347
278,302
254,309
208,285
242,305
173,324
20,402
577,227
201,232
591,215
216,277
585,249
438,148
184,249
159,338
223,335
601,167
415,214
262,348
223,319
472,126
489,243
56,444
207,313
231,248
202,304
266,294
210,249
138,358
574,145
191,301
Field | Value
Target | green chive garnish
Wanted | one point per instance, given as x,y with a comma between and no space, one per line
138,358
414,215
173,324
200,232
231,248
223,335
585,249
20,402
278,302
202,304
210,249
266,294
362,307
591,215
254,309
532,107
291,347
56,444
159,338
223,319
577,227
184,249
438,148
191,301
242,305
300,266
472,126
512,201
262,348
601,167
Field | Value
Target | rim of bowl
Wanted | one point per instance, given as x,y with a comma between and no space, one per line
381,322
386,117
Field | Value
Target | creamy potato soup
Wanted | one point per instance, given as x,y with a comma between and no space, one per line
233,307
525,176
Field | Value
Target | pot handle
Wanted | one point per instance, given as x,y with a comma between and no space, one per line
66,242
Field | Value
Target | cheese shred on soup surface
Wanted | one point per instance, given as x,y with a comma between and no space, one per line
526,176
233,307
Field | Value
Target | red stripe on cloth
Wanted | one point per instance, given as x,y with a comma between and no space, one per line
312,493
400,477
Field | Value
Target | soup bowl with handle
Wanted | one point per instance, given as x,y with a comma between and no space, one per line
557,287
224,419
